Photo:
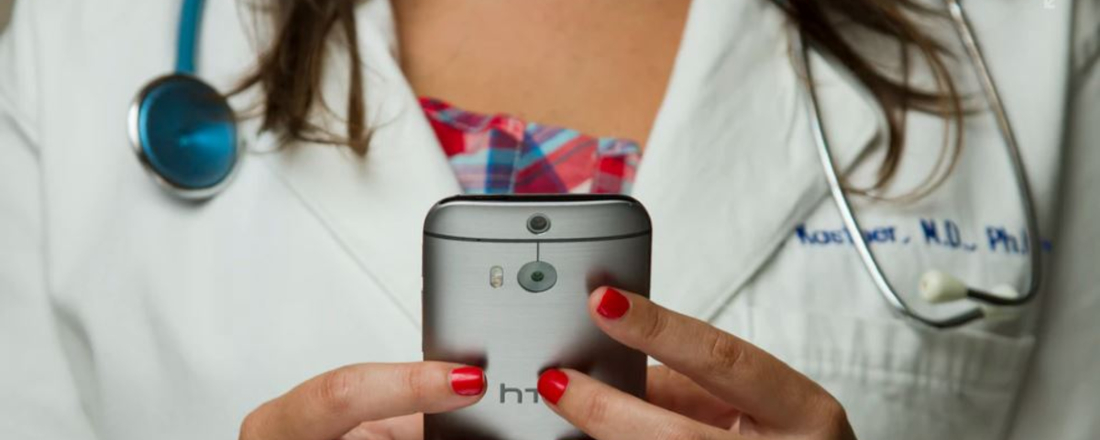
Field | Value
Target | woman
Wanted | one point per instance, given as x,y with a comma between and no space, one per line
126,312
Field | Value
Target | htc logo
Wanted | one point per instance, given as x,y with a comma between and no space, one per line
518,393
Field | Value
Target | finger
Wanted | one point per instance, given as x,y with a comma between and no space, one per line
329,405
606,413
730,368
410,427
675,392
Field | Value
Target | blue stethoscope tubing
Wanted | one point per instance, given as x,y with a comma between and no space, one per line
190,22
936,287
183,130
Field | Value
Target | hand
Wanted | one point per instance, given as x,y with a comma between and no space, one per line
366,401
715,386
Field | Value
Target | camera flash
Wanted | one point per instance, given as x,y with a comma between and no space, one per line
496,276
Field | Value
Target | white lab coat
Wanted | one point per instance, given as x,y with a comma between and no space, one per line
125,314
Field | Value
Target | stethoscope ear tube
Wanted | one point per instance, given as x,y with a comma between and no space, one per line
801,59
1012,147
936,287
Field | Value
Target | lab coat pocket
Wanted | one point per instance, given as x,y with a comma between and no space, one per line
896,380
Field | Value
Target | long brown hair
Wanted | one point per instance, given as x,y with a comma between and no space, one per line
290,71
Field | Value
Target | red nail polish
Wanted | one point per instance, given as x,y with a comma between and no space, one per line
613,305
552,385
467,381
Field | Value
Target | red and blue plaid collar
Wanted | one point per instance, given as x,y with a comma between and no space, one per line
500,154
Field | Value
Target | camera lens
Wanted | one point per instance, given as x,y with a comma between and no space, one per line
538,224
537,276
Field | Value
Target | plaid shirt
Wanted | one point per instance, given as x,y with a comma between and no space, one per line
498,154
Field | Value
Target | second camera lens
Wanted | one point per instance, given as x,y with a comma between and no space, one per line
537,276
538,224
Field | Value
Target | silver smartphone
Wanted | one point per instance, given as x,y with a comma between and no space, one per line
506,284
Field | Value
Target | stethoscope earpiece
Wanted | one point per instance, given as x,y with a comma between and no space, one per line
1002,313
937,287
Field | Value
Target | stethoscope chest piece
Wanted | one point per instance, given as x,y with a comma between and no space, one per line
185,134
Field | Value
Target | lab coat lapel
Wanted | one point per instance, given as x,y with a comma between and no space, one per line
373,206
730,168
728,172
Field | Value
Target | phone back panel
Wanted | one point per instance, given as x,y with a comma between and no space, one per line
515,334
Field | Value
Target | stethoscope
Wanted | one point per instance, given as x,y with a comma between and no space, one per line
935,287
185,134
182,129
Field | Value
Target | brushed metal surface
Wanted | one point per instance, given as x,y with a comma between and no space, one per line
571,217
515,334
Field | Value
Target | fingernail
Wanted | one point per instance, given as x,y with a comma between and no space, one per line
468,381
552,385
613,305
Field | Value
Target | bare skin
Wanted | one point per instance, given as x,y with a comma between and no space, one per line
598,66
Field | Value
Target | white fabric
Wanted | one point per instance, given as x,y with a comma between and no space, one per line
124,312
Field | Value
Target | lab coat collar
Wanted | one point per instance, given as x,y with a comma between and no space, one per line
729,170
373,207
